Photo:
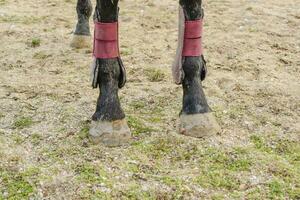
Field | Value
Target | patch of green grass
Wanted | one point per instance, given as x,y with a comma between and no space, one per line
139,167
158,148
249,8
217,179
133,167
155,75
239,165
255,194
277,190
15,185
155,119
253,30
240,160
126,51
60,153
35,42
280,157
286,178
293,192
23,122
138,104
90,174
84,131
18,139
152,112
184,153
2,2
135,192
287,147
218,197
170,181
281,169
162,103
90,193
257,141
235,160
177,185
283,147
166,148
138,127
35,138
219,168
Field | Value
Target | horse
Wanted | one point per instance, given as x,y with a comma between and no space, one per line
109,125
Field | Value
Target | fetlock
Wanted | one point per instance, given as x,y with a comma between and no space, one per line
108,105
194,100
84,12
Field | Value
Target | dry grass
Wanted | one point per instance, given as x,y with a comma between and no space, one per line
253,85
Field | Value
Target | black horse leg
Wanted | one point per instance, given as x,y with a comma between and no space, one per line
196,117
82,34
109,125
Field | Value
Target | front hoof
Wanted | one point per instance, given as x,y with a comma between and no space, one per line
81,41
111,134
199,125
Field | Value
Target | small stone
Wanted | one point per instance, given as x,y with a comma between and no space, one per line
243,187
85,143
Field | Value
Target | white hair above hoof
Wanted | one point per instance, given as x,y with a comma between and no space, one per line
81,41
111,134
199,125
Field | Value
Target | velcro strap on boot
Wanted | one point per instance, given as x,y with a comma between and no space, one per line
106,43
192,45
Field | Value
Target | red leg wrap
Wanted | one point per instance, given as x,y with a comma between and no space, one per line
106,44
192,45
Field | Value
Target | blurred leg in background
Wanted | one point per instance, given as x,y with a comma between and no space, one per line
82,34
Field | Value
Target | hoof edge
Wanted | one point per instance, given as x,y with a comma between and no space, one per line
81,41
199,125
111,134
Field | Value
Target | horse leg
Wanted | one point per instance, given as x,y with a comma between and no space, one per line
82,34
196,117
108,123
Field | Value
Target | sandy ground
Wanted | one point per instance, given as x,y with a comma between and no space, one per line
46,101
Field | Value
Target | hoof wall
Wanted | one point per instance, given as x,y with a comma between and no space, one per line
111,134
81,41
199,125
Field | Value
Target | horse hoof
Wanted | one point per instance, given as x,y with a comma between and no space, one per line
81,41
111,134
199,125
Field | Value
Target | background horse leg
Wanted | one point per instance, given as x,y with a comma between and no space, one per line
82,34
109,125
196,117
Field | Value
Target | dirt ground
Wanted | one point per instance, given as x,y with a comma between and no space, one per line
46,102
